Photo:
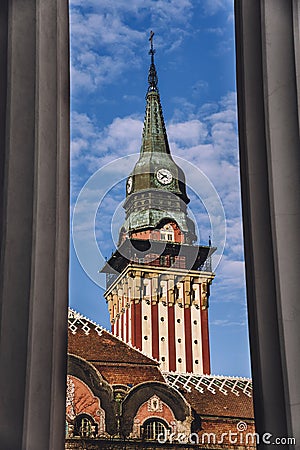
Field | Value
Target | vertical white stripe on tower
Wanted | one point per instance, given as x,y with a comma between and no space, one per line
115,317
196,332
119,325
163,328
179,332
120,303
146,318
125,316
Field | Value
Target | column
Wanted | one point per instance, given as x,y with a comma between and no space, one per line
34,202
267,36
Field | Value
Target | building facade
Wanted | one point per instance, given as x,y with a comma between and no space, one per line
119,398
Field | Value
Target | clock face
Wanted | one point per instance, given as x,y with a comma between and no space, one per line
129,185
164,176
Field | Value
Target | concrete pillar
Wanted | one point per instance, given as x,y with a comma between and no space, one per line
267,41
34,201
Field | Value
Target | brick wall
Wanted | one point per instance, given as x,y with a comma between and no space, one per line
221,432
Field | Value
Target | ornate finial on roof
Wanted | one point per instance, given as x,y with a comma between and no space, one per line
152,77
151,42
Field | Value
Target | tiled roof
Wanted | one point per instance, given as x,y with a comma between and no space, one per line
118,362
84,342
212,383
122,364
129,375
211,395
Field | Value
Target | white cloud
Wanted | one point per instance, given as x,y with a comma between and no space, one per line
217,31
105,29
171,11
212,7
83,125
229,322
187,133
102,42
100,49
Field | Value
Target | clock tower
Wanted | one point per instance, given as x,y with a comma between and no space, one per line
158,279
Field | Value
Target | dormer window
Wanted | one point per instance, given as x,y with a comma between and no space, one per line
155,429
167,233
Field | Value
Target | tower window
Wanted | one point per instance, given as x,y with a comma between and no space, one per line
179,340
196,361
179,360
195,341
167,233
163,261
178,320
163,358
146,338
162,339
195,322
145,317
162,319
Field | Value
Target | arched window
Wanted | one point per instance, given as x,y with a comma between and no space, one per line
85,426
154,429
167,233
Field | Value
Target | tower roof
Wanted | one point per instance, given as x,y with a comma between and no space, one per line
154,133
155,152
157,184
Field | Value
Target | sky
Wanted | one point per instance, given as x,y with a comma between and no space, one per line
195,61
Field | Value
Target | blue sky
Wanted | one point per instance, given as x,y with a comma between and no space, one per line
194,43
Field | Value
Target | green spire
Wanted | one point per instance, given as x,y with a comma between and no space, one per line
154,133
156,189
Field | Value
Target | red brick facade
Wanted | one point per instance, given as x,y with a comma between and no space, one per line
119,398
155,235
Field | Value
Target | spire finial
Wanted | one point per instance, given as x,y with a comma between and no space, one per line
151,51
152,77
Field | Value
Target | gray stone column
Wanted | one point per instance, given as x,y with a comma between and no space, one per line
34,201
267,42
